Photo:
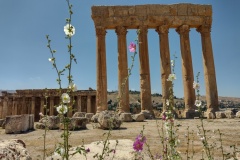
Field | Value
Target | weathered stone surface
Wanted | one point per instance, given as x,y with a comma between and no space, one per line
238,114
229,114
109,119
138,117
31,122
76,123
209,115
95,118
79,114
220,114
1,122
147,114
89,116
18,123
126,117
13,149
52,122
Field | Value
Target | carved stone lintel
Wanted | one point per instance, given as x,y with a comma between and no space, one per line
183,29
100,31
143,29
162,29
120,30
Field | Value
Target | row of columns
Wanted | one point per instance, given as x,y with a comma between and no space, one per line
145,85
27,105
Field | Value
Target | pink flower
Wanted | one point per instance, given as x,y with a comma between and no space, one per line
132,47
139,142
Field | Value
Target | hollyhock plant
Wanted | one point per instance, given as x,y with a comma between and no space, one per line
138,143
196,85
171,77
73,87
198,103
132,47
69,30
65,98
62,109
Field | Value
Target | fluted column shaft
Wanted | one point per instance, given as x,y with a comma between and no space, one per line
1,108
145,84
33,106
51,109
5,107
14,110
101,70
165,62
89,106
123,86
24,107
42,106
209,69
187,68
79,104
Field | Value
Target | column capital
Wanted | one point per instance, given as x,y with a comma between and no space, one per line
120,30
204,29
183,29
143,29
162,29
100,31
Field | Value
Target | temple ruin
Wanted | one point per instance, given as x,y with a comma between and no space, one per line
33,101
182,17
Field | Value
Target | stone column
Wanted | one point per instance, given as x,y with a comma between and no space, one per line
187,71
89,106
5,107
123,87
165,63
24,107
79,103
1,108
42,105
9,107
51,108
209,69
101,70
145,84
33,106
14,109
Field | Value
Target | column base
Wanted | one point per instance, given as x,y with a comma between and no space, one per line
210,113
126,117
148,114
189,114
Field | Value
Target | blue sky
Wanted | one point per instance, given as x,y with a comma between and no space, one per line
24,56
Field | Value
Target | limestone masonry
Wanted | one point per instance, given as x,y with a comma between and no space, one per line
182,17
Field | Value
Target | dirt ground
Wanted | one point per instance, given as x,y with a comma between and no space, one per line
229,127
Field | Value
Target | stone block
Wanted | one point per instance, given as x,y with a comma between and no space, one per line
89,116
14,149
52,122
95,118
147,114
79,114
238,114
126,117
229,114
76,123
31,122
220,114
138,117
109,119
17,123
209,115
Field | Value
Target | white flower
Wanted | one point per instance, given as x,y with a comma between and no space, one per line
50,60
198,103
73,87
196,85
202,138
167,102
41,114
172,62
171,77
65,98
69,30
62,109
